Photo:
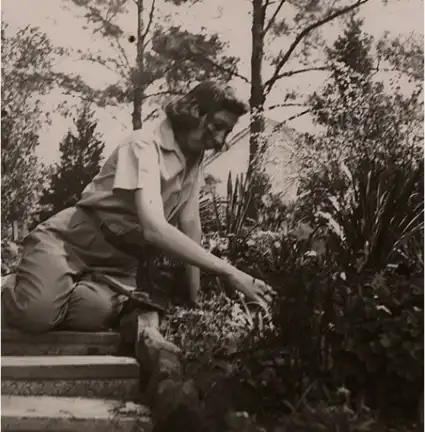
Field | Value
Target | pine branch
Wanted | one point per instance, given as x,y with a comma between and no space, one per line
273,17
162,93
101,63
93,97
284,105
146,42
302,113
230,71
148,27
299,71
305,32
107,20
123,53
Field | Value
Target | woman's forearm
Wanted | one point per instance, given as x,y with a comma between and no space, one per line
169,239
193,229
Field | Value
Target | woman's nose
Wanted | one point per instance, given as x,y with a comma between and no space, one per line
219,137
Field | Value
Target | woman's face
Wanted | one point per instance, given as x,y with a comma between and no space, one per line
211,132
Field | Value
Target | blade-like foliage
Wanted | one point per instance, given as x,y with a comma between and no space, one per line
233,218
380,212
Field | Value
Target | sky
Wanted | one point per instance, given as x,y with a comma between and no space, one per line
230,19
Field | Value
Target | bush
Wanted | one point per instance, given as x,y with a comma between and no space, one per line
346,316
370,211
378,342
10,256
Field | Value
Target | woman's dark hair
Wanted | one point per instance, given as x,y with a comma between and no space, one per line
204,99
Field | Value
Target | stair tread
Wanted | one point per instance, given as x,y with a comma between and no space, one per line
79,408
64,413
11,335
68,367
52,361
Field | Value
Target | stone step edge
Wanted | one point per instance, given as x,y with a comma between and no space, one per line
22,349
40,413
68,367
61,337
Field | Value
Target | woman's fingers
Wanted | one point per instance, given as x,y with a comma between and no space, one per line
268,298
263,290
261,302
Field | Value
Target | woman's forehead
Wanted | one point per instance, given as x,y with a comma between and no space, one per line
226,117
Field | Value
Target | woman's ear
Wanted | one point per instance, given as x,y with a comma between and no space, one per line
194,111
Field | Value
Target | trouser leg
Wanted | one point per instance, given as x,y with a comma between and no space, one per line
44,295
36,301
91,307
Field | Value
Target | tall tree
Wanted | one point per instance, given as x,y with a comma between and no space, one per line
300,21
80,161
28,59
166,56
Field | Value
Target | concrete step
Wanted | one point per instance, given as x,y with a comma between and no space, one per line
64,414
15,343
86,376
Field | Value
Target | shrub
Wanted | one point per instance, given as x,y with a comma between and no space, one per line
343,317
10,256
372,212
378,341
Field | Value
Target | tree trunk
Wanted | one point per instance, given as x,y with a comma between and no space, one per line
257,90
138,76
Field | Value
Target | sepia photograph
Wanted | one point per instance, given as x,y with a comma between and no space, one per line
212,215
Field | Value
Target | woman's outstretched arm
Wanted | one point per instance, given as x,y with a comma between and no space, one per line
190,225
157,231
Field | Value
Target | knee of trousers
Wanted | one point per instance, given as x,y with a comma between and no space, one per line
92,307
30,313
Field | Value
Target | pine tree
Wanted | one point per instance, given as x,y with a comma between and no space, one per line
163,59
81,155
353,48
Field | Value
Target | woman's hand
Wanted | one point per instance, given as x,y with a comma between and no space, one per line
255,289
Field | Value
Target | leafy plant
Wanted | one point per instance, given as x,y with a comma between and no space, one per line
332,415
236,207
378,340
376,213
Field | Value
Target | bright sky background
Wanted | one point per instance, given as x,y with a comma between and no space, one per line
229,18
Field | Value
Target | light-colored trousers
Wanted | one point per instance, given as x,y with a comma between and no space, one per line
46,293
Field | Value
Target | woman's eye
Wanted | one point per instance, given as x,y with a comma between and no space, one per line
219,127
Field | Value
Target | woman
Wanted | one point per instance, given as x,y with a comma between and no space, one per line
145,194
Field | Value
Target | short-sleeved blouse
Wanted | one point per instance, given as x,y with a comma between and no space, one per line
110,198
135,164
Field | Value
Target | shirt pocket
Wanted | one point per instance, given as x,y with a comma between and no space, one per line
81,232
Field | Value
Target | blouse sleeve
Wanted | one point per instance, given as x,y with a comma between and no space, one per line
137,166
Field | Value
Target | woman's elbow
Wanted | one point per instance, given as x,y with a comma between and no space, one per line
152,232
